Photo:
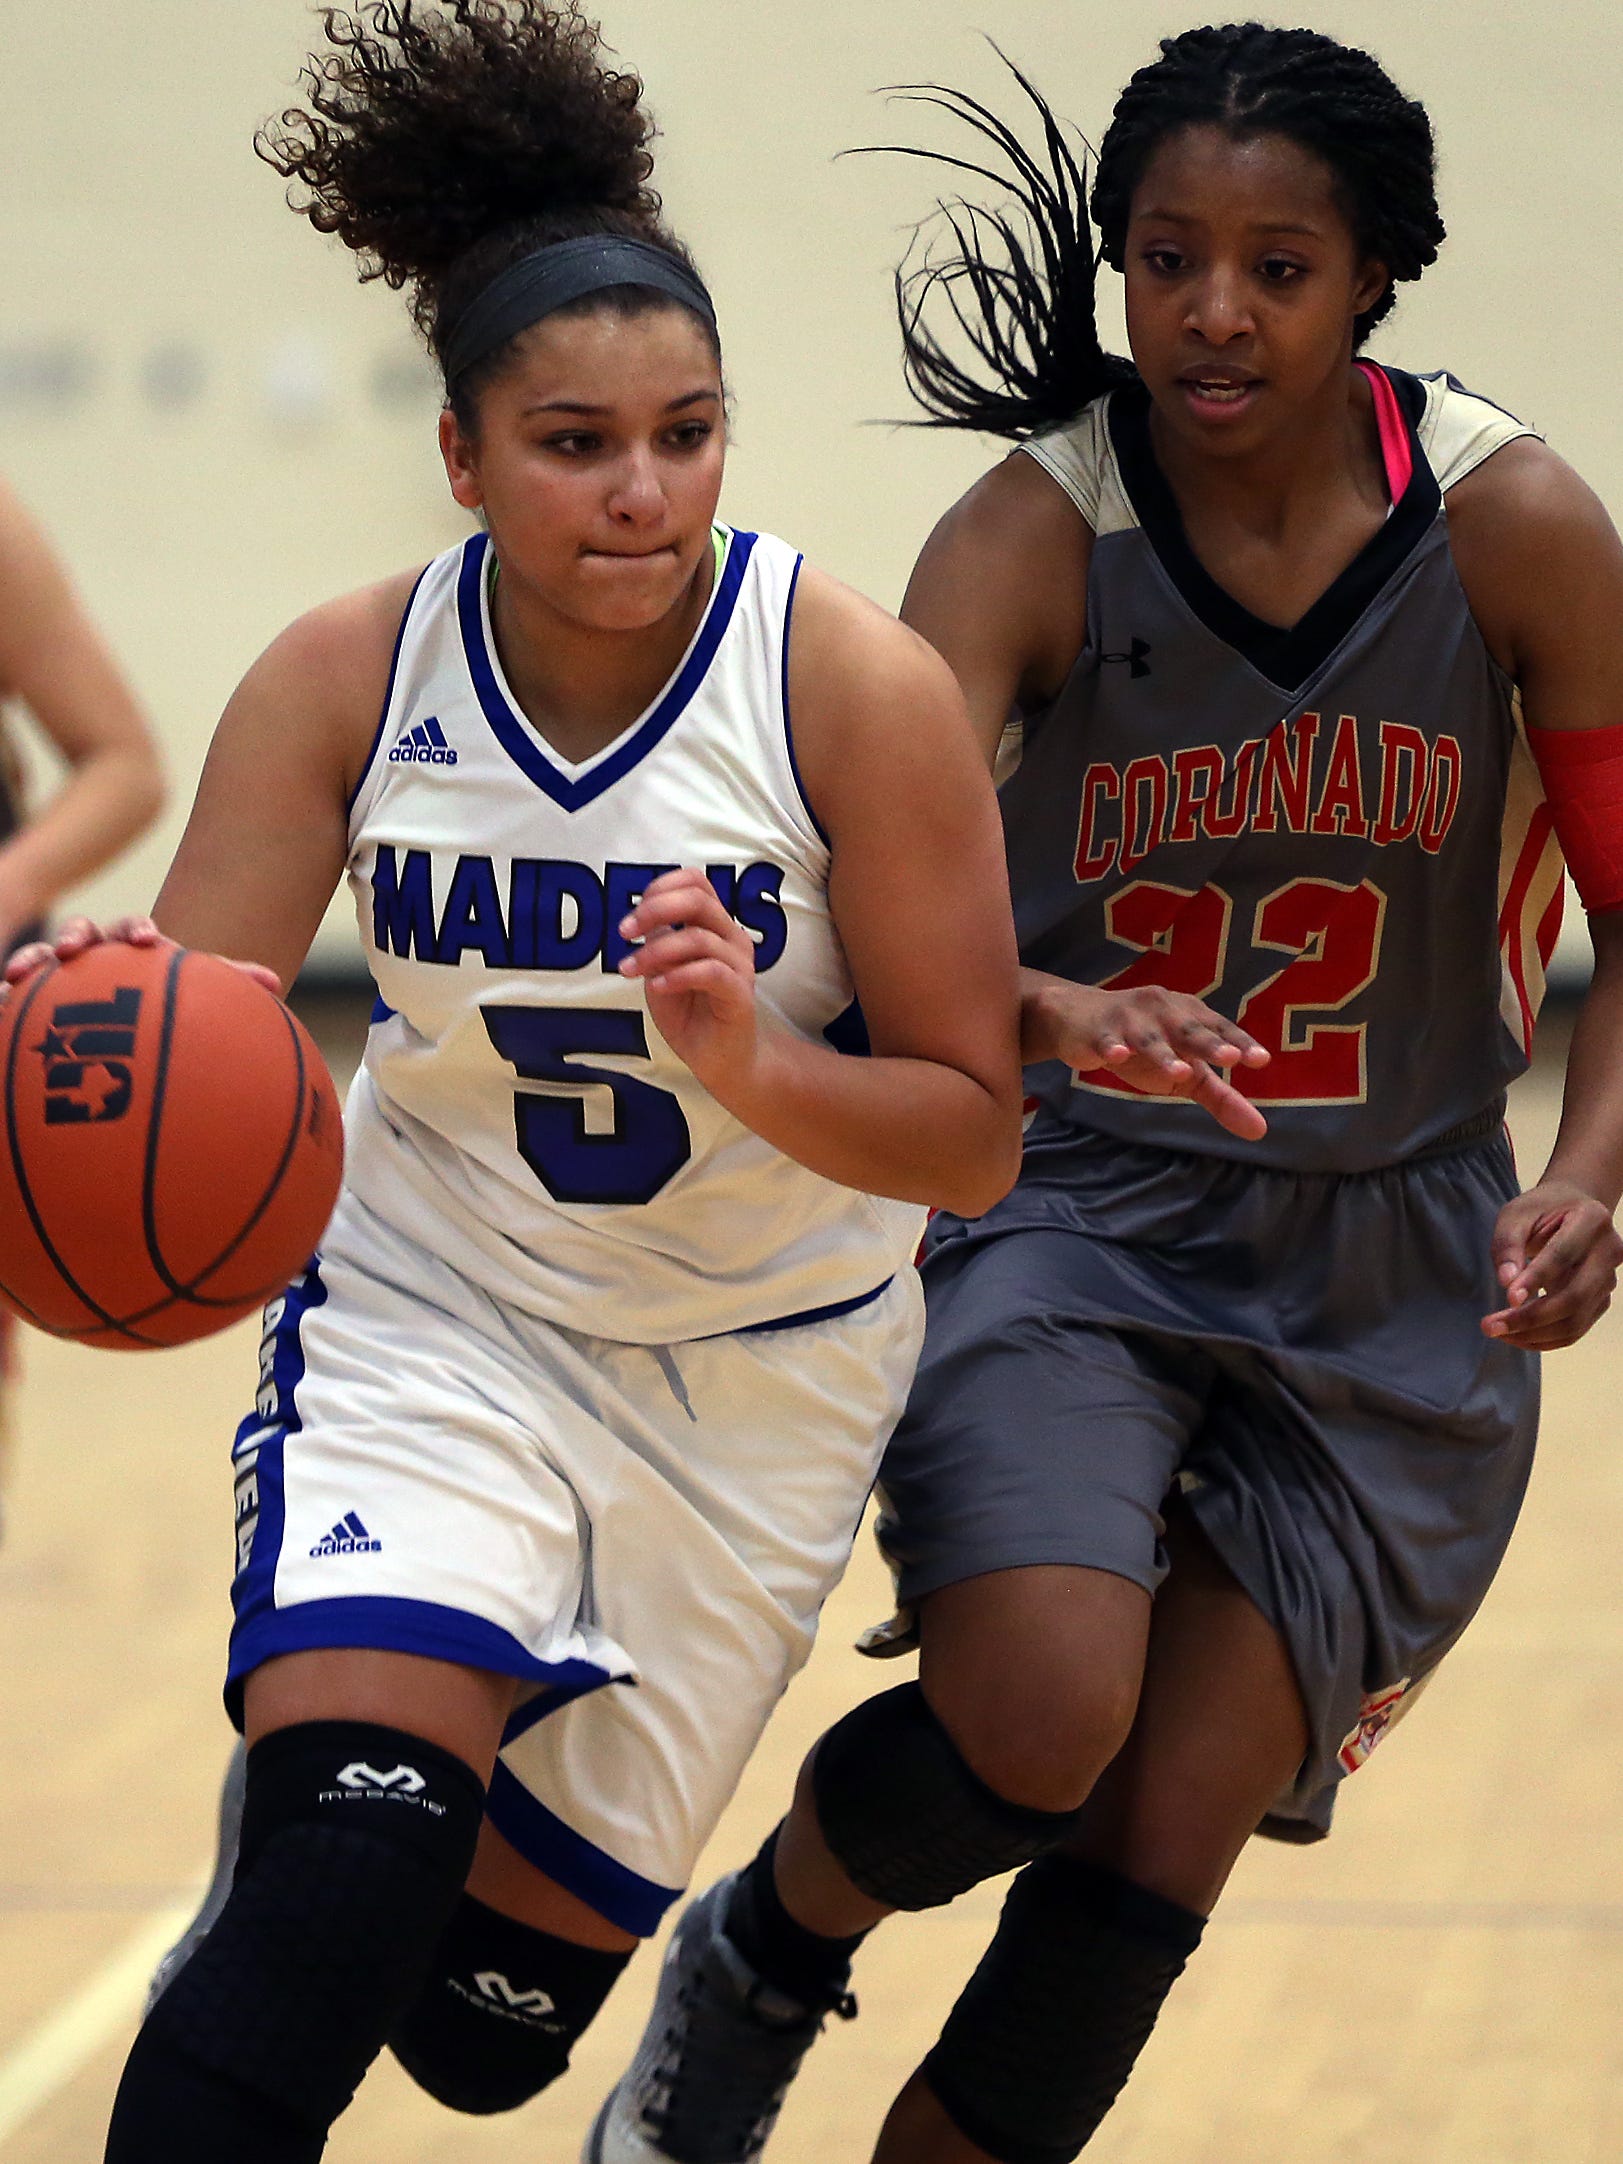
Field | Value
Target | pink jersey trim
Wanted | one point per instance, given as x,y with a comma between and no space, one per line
1396,455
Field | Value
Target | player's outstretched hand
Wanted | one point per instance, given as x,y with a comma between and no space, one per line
697,964
81,932
1166,1044
1556,1252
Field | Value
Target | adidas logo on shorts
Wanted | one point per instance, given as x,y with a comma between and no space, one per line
348,1537
423,746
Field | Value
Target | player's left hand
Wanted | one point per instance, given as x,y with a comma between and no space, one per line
1556,1252
79,934
697,964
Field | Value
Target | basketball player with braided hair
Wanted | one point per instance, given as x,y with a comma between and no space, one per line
1302,674
587,1386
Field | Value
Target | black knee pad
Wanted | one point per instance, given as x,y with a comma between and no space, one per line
1047,2030
356,1841
501,2010
908,1821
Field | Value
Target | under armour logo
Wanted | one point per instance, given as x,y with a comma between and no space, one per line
1134,657
493,1985
401,1781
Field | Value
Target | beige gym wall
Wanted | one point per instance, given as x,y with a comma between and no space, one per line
220,428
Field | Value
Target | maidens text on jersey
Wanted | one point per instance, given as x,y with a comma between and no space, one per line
544,913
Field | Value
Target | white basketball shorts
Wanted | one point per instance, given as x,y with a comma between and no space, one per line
432,1473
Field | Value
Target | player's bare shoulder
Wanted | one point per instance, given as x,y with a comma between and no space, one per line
877,716
321,683
1534,547
1001,587
850,658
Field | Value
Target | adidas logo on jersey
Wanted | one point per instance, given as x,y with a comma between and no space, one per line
423,746
348,1537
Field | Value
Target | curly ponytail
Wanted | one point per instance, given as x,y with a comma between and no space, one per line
444,143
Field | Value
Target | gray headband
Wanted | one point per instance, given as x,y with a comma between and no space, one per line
551,278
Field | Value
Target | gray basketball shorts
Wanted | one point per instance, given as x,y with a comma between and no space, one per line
1298,1355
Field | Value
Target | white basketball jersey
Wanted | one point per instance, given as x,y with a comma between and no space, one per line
517,1111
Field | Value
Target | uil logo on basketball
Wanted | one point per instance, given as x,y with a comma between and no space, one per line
85,1049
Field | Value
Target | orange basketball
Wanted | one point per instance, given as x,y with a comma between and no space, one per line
172,1146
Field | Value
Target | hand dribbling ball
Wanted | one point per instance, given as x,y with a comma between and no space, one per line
171,1150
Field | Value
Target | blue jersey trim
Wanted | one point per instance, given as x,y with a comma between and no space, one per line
388,691
268,1428
811,1314
390,1625
788,722
848,1032
624,1896
566,1680
571,792
381,1012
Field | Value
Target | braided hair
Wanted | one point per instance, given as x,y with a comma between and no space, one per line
1019,288
442,143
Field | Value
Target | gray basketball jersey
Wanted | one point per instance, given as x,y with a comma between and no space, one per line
1333,833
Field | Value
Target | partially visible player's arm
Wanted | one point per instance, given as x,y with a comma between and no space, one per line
265,845
1001,592
1542,568
53,658
919,896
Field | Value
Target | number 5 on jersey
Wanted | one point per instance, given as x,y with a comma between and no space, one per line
629,1160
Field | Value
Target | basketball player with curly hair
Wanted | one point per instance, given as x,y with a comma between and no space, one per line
564,1435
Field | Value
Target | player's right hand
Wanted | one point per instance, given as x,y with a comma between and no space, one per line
1165,1044
79,933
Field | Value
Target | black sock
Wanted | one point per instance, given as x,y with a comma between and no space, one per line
782,1952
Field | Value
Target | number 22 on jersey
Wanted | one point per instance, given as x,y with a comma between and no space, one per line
1332,936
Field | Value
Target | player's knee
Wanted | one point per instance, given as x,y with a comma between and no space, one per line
356,1841
501,2010
907,1818
1048,1755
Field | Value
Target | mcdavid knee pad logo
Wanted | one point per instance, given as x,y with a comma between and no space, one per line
491,1992
359,1782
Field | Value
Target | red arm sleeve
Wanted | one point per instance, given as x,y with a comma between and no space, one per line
1582,773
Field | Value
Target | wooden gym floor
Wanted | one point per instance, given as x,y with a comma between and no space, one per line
1441,1984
